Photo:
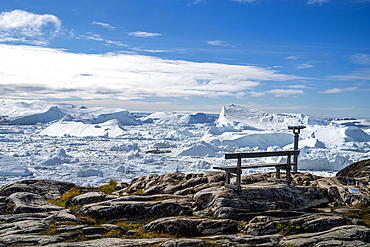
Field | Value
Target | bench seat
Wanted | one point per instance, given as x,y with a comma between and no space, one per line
251,166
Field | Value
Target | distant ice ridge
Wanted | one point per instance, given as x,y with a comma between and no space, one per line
42,112
172,118
253,119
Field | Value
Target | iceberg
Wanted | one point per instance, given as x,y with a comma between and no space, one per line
12,167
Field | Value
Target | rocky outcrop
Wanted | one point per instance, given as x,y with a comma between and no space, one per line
25,202
49,189
317,222
226,203
89,197
345,190
356,170
338,236
191,226
116,209
312,211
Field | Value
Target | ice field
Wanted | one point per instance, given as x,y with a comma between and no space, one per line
90,146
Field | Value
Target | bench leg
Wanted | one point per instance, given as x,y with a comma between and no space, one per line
288,175
227,178
277,173
239,173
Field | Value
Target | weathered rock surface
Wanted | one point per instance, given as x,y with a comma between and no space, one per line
62,217
312,211
185,243
90,197
113,242
50,189
23,216
345,190
193,226
346,234
25,202
246,240
263,225
115,209
226,203
173,182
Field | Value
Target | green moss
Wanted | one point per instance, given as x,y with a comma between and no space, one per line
108,188
62,202
139,192
288,229
9,208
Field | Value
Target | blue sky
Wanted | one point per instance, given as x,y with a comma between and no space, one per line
303,56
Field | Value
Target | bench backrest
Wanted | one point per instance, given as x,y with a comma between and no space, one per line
261,154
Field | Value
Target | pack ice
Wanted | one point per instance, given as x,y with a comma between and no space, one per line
90,146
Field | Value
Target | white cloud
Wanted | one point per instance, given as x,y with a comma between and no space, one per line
97,37
117,43
339,90
297,86
103,25
144,34
257,94
360,58
304,66
91,36
363,74
292,57
278,93
38,73
282,93
218,43
319,2
21,26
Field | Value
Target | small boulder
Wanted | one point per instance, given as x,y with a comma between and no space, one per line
25,202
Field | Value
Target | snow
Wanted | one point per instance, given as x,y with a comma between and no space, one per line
90,146
110,128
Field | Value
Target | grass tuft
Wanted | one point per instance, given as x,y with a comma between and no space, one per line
108,188
62,202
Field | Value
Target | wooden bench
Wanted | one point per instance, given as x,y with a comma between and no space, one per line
238,168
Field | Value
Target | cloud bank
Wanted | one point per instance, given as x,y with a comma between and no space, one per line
21,26
41,73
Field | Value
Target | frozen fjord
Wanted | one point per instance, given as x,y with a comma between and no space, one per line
90,146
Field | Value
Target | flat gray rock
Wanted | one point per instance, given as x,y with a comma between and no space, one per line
348,233
246,240
90,197
23,216
50,189
192,226
27,239
133,209
185,243
108,242
62,216
25,202
22,227
263,225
